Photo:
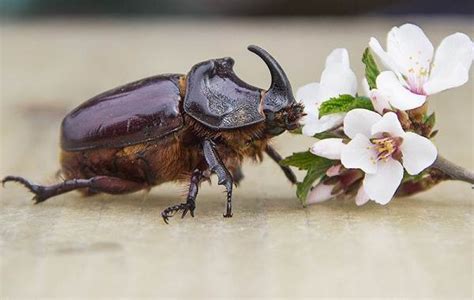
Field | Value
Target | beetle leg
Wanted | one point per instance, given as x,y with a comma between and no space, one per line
277,158
215,165
105,184
190,204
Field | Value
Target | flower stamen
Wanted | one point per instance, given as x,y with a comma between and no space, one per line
386,146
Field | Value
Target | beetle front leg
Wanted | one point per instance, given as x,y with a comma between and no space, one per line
277,158
215,165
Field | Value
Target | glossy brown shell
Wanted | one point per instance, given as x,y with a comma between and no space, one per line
137,112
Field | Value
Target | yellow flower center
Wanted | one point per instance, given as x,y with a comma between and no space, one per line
387,147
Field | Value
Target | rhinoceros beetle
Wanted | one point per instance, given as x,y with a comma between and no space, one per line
173,127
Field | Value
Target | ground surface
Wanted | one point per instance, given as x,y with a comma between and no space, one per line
109,246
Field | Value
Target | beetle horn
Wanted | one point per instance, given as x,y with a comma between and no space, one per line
279,95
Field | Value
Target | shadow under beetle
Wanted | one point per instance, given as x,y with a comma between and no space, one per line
171,128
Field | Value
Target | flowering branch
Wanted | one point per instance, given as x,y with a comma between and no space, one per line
453,171
378,145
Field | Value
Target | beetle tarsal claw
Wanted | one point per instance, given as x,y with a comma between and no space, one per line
37,190
165,218
185,211
172,210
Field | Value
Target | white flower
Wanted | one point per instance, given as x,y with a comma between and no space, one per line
361,197
336,79
379,101
328,148
322,191
378,145
416,71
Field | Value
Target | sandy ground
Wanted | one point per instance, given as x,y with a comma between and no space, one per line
111,246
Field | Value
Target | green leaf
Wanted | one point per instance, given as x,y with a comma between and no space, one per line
430,120
301,160
326,135
433,134
314,173
371,69
414,178
344,103
316,167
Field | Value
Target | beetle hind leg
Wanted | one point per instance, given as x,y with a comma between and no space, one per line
37,190
190,203
105,184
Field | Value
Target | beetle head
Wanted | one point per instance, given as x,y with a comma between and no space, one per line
281,110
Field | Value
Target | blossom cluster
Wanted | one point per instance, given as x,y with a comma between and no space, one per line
377,145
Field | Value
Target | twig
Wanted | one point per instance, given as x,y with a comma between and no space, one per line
452,170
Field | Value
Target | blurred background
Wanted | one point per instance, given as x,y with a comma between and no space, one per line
54,54
200,8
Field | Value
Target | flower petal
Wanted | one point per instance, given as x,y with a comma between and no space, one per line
451,64
379,102
386,60
418,153
309,129
328,148
308,123
365,87
359,154
390,124
334,170
409,47
337,77
320,193
338,56
382,185
391,88
313,125
308,94
361,197
360,121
